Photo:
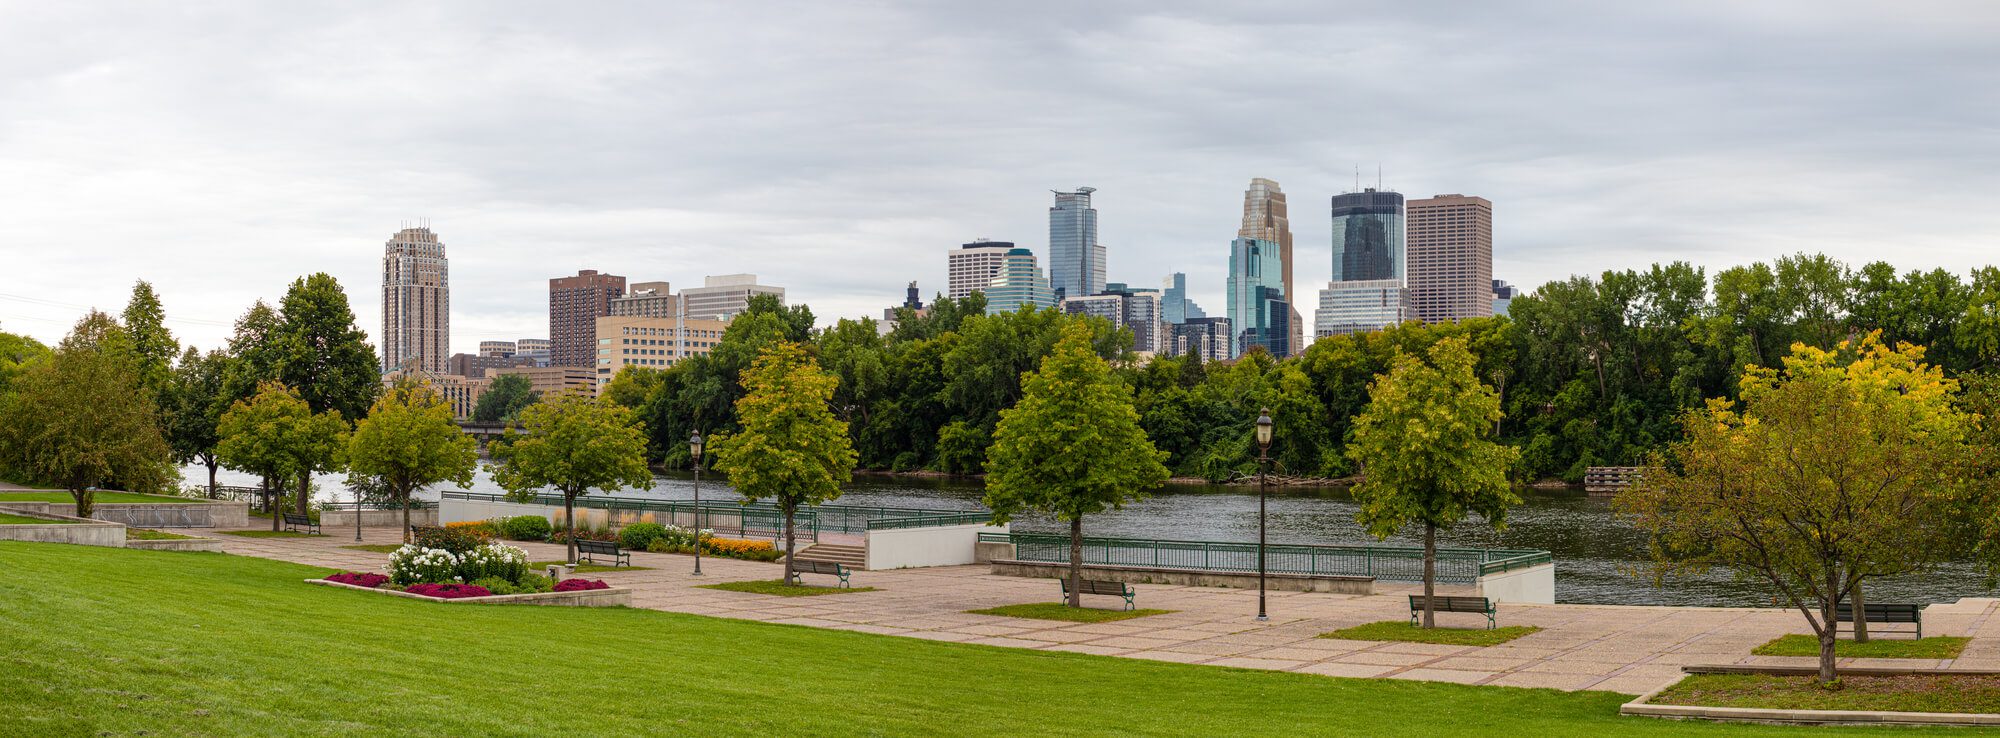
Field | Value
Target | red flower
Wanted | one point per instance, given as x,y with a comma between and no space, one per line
359,579
449,591
578,585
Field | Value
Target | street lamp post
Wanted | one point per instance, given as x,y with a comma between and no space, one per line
694,451
1263,489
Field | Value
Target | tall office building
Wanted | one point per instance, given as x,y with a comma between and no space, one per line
1211,338
496,349
722,297
1368,291
1134,310
533,348
973,266
1451,257
575,303
1503,296
1076,259
1175,307
646,300
416,301
651,342
1266,217
1019,284
1258,309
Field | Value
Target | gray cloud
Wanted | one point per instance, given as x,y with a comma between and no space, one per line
220,150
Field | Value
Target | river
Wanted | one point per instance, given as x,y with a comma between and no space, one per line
1598,555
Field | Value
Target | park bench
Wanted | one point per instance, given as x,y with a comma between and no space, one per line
1883,612
1103,587
809,566
1475,605
588,551
295,521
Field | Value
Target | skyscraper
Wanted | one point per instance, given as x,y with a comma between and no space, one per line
1076,259
1451,257
973,266
1019,284
1368,292
1503,296
1175,307
1258,309
1266,217
575,303
416,301
1134,310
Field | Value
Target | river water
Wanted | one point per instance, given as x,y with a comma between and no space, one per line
1598,555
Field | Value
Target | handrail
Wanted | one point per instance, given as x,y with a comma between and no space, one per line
931,520
1401,563
834,518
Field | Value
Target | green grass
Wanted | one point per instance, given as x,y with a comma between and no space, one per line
780,588
142,534
1906,693
586,568
270,534
102,641
1935,647
1402,630
380,548
1060,611
102,497
6,519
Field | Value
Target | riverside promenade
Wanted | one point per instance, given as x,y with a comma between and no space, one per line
1623,649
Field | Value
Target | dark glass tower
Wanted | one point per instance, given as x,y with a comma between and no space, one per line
1367,236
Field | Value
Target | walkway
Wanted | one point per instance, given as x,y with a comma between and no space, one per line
1621,649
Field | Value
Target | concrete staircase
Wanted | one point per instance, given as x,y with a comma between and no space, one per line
853,557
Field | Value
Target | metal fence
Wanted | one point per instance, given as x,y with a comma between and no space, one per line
757,517
1393,563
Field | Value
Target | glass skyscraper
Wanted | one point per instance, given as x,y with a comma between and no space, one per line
1175,307
1367,236
1259,311
1076,259
1019,284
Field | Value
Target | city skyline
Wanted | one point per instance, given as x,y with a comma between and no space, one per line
219,155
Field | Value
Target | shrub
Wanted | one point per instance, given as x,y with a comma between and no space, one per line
448,591
526,528
579,585
640,536
484,528
492,560
583,534
497,585
741,549
414,564
453,539
532,582
664,545
359,579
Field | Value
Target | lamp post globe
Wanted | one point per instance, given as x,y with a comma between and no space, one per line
694,452
1263,489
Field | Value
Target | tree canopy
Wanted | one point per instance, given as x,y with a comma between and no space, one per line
504,399
573,443
278,437
790,448
409,441
81,418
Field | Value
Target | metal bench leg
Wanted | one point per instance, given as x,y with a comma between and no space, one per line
1129,605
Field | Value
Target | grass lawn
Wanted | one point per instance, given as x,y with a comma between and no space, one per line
1402,630
1910,693
113,497
1060,611
6,519
1935,647
380,548
780,588
585,568
270,534
103,641
142,534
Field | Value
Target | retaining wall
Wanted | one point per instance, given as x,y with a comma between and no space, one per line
613,597
1535,584
210,545
945,545
195,514
332,519
79,531
1191,578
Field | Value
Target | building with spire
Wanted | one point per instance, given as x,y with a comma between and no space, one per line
416,301
1076,259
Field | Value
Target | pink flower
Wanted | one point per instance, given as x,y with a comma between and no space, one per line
578,585
359,579
449,591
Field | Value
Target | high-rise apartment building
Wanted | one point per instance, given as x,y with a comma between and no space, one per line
416,301
1076,259
654,343
574,306
1020,284
1451,257
1368,291
1266,217
1258,308
1209,338
973,266
648,300
496,349
724,296
1134,310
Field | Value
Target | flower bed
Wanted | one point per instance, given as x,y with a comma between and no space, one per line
611,597
359,579
730,548
448,591
580,585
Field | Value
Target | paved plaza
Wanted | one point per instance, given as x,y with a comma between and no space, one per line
1615,648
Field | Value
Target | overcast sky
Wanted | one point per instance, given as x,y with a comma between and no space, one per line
840,149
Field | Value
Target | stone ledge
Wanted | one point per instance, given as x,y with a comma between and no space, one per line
73,530
1643,705
613,597
176,544
1190,577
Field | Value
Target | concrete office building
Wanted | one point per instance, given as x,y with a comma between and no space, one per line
1210,338
461,393
496,348
547,381
647,299
1451,257
1020,284
575,303
972,266
1266,217
416,301
1360,306
1076,259
475,367
653,343
724,296
1134,310
533,348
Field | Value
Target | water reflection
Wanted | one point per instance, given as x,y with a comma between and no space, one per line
1596,553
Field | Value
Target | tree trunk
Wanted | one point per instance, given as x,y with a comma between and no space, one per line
211,464
1430,572
304,502
406,515
1860,616
85,502
791,549
569,519
1076,562
1827,674
271,503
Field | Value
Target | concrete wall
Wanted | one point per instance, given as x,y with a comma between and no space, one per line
947,545
987,553
1535,584
330,520
178,544
79,531
1191,578
613,597
459,511
726,523
202,514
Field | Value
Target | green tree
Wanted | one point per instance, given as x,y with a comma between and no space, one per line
574,443
145,322
504,399
1426,453
1842,466
1072,446
276,436
194,405
81,418
325,356
17,353
409,441
791,449
253,351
